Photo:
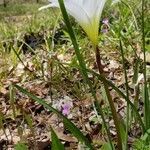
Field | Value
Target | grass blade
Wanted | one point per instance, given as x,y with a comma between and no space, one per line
12,100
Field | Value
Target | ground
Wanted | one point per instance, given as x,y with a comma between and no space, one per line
37,54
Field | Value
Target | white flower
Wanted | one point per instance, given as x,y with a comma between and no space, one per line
86,12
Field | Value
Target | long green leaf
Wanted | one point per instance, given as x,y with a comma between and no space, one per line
56,143
68,124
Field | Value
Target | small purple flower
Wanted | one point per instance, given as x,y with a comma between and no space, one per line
66,108
105,21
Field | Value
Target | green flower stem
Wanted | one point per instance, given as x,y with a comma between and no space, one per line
110,100
83,69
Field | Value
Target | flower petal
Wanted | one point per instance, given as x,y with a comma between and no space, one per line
86,12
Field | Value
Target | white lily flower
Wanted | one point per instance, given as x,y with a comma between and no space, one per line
86,12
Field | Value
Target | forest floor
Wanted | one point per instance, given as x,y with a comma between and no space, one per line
36,53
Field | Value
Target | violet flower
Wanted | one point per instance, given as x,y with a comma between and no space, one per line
105,21
66,108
